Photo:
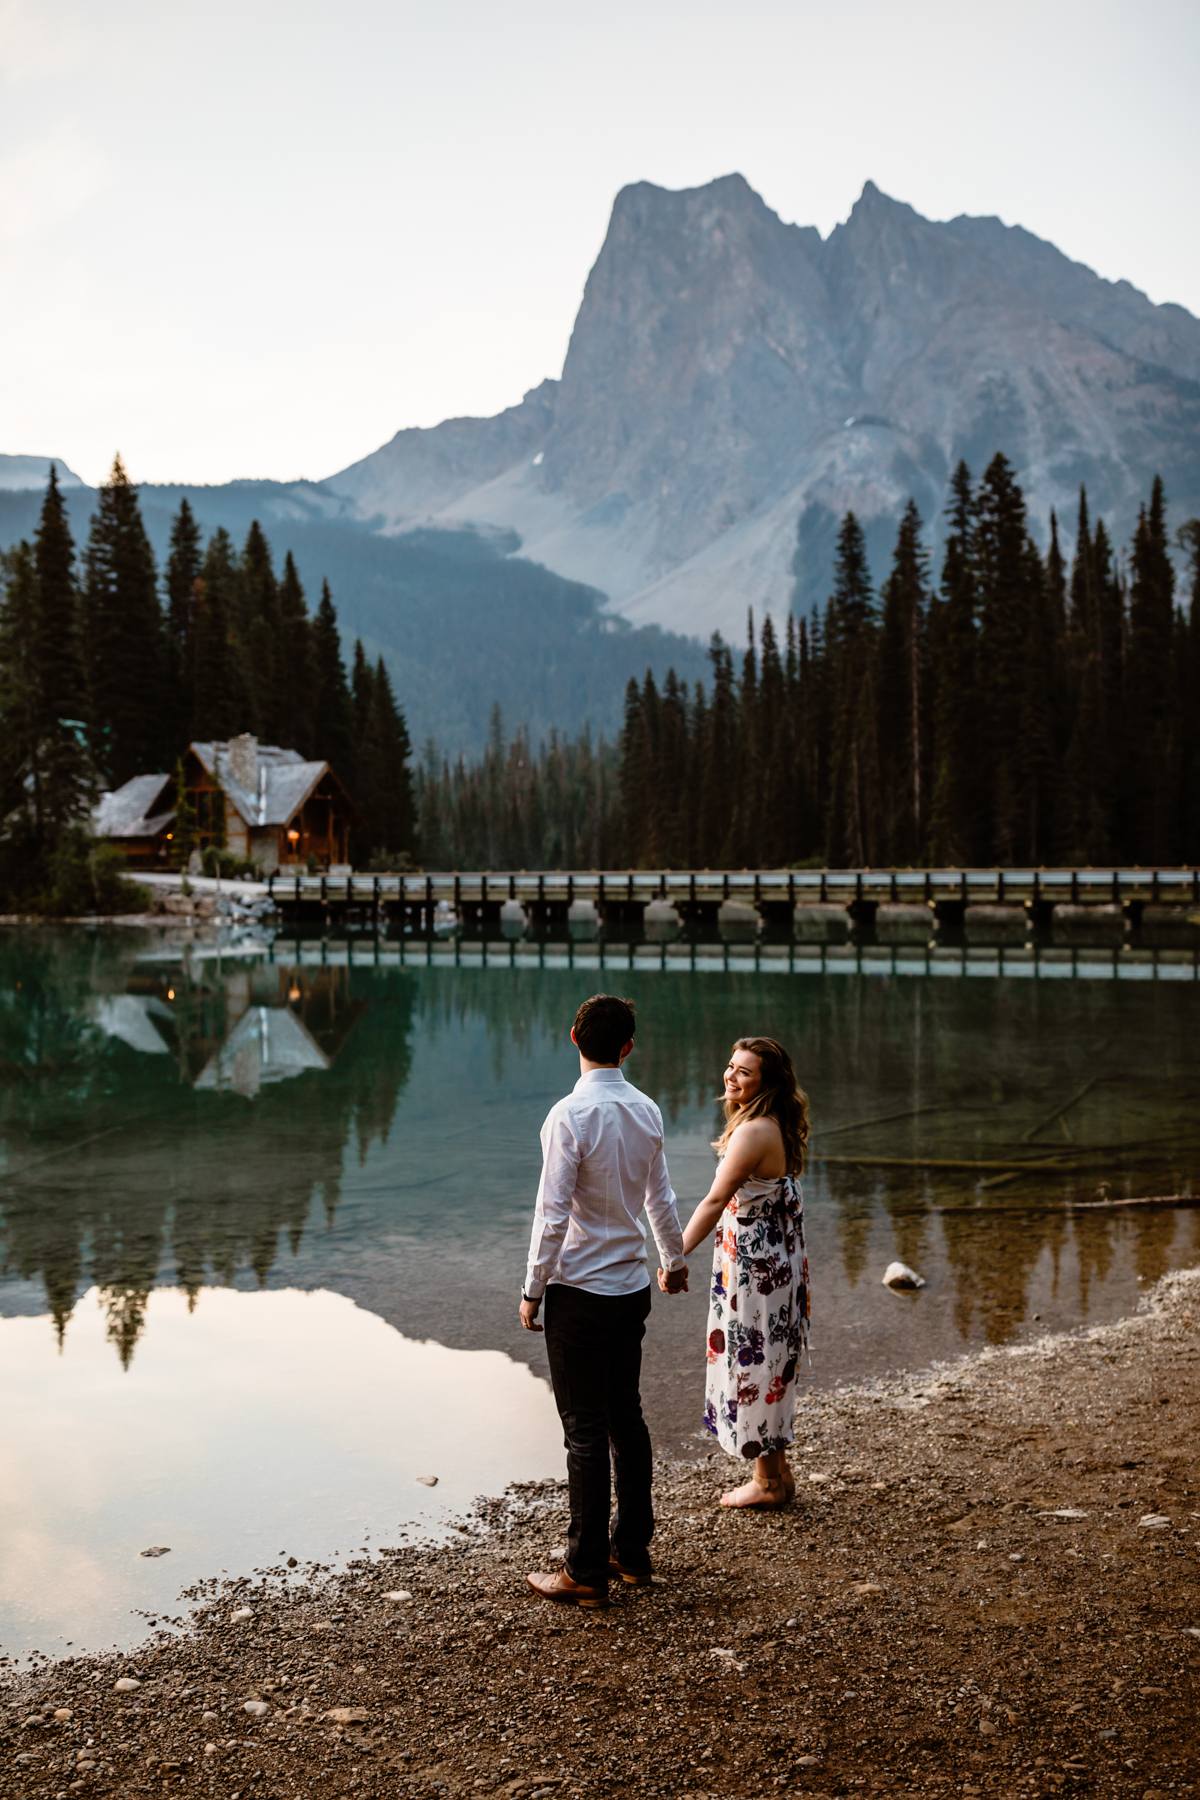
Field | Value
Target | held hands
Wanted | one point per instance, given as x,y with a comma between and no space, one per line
673,1283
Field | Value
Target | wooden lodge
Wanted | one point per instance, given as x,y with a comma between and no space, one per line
265,805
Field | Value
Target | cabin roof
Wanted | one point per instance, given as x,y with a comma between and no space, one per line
126,811
285,781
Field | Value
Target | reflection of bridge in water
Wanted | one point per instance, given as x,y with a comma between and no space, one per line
691,957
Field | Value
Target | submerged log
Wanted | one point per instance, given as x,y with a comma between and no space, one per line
1027,1137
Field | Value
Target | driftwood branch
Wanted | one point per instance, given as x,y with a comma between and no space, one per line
911,1112
1064,1206
941,1162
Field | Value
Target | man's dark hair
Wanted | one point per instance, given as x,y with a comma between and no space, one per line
603,1026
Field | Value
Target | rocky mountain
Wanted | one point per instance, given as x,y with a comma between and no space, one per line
733,383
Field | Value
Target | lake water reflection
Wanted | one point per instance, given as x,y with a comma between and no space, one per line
263,1221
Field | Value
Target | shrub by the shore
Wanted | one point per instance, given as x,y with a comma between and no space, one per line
79,877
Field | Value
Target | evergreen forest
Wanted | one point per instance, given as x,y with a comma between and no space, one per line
109,670
1016,708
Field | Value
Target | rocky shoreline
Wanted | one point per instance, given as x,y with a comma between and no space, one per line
990,1585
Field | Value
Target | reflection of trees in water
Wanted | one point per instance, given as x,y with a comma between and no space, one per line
163,1176
954,1068
101,1052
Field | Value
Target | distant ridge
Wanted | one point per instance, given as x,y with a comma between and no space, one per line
20,472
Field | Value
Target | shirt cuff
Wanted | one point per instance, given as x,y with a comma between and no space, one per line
676,1262
533,1290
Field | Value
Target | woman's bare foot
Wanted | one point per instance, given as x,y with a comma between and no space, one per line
761,1494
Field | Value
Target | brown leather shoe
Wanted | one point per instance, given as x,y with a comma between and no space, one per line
631,1577
574,1593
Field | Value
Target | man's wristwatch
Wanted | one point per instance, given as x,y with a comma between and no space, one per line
530,1300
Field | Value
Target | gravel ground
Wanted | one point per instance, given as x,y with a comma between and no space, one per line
990,1584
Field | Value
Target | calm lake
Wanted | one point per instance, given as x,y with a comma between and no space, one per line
263,1216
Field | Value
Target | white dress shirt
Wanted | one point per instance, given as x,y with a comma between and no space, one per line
602,1161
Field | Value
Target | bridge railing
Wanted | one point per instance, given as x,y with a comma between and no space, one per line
762,886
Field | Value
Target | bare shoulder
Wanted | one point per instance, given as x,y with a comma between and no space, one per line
757,1141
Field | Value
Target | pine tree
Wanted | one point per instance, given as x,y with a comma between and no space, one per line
1152,750
718,758
221,704
257,635
671,774
853,814
333,727
777,754
57,663
393,748
185,830
1007,611
183,588
385,812
19,722
128,707
635,776
902,695
956,828
294,673
1189,699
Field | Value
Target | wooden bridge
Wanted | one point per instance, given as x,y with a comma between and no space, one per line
820,903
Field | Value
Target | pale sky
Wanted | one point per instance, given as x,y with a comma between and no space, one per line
256,239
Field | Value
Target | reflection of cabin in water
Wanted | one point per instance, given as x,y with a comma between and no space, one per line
265,805
233,1028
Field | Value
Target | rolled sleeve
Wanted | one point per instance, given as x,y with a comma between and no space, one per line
663,1214
552,1212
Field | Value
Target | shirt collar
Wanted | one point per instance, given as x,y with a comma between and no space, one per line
604,1077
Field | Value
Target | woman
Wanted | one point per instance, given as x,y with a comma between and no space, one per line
758,1312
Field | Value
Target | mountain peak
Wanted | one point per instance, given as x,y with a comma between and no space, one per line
873,206
732,191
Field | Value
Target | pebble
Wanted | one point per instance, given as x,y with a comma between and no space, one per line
428,1480
126,1685
210,1749
241,1612
256,1708
63,1712
208,1718
1064,1512
1154,1522
899,1275
807,1762
1016,1556
398,1594
346,1715
865,1588
157,1550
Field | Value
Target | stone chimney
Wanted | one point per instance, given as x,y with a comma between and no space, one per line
243,762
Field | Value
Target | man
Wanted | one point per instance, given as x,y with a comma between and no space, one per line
602,1161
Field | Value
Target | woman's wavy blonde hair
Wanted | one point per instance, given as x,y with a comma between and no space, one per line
780,1098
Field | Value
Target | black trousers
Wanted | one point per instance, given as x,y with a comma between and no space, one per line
594,1346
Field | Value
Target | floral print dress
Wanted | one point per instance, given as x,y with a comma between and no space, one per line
757,1318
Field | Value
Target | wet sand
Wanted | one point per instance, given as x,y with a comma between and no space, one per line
990,1584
